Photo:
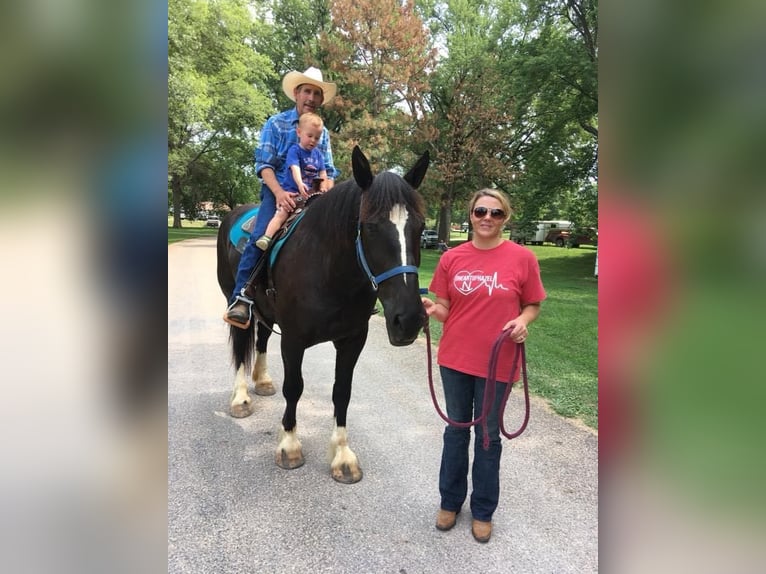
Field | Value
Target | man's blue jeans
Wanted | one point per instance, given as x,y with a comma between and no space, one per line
464,395
252,254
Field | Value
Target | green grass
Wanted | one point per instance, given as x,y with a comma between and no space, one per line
562,350
189,230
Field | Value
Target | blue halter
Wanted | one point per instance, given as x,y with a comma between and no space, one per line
377,279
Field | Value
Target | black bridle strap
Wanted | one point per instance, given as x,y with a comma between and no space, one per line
489,388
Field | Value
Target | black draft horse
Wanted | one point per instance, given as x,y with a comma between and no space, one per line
358,241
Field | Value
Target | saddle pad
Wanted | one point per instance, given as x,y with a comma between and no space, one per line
242,229
280,241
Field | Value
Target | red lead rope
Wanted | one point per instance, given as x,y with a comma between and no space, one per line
489,388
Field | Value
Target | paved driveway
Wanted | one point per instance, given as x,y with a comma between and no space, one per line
232,510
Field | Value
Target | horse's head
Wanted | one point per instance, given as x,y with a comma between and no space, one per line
390,223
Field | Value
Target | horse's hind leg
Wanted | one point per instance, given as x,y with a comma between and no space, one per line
344,464
264,384
241,405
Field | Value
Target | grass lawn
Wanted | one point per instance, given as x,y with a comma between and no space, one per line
562,350
189,230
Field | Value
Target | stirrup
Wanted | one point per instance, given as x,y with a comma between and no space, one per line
240,299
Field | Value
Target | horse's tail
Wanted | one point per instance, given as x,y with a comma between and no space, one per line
242,344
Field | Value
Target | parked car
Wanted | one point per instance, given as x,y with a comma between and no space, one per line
213,222
429,239
562,237
537,232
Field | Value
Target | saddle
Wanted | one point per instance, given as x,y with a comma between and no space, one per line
242,229
270,255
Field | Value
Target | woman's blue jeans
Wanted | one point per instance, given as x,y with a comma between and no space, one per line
464,396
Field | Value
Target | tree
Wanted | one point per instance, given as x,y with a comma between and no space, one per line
380,55
215,86
469,113
226,176
293,41
552,63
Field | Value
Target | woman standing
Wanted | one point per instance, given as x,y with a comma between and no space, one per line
482,287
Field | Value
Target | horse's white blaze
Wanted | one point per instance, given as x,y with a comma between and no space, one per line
398,217
239,395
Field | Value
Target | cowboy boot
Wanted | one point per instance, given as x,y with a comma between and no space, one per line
239,313
445,519
482,531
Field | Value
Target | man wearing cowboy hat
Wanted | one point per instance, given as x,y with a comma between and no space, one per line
309,91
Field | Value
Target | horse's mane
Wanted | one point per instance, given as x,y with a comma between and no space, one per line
342,203
387,190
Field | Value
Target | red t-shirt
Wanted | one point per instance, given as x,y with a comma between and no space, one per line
485,288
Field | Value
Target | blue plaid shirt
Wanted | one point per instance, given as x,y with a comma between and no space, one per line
277,135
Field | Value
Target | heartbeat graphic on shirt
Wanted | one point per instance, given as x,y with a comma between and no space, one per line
469,281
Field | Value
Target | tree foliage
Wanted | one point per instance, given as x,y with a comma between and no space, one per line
213,99
471,118
551,61
502,92
379,53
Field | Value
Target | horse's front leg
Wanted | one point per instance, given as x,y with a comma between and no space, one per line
344,464
289,453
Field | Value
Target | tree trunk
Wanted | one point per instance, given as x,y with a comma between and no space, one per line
175,186
445,218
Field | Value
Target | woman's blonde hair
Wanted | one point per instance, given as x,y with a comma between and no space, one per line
498,195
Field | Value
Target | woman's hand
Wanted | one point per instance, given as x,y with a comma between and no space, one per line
438,309
517,330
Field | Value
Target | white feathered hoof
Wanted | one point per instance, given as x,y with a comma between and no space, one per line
289,454
347,474
264,388
240,405
241,410
344,465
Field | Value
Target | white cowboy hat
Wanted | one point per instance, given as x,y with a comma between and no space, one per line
311,76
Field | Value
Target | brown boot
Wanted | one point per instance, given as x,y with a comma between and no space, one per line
445,519
238,314
481,530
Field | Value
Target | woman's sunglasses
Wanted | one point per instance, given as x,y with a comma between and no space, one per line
493,213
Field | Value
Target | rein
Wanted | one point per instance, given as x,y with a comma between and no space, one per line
489,388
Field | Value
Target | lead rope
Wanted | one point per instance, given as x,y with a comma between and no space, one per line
489,388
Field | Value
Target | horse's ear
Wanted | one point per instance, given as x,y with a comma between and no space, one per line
415,176
361,168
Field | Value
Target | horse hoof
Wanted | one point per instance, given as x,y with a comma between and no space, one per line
288,463
346,474
265,389
241,411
